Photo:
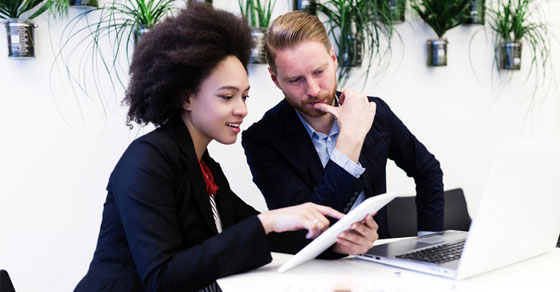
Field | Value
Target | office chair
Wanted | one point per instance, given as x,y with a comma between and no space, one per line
5,282
401,214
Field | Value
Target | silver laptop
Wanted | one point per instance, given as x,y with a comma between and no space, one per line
518,217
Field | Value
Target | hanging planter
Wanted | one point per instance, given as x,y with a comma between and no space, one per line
258,55
357,28
441,16
139,33
19,30
512,24
397,10
352,50
20,39
477,12
190,2
309,6
83,3
437,52
257,14
510,56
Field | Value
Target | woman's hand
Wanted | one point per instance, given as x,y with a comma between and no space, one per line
305,216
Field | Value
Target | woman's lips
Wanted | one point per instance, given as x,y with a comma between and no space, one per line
235,127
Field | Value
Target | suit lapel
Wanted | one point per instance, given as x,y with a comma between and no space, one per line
297,145
184,140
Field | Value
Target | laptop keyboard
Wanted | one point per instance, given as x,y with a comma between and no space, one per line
437,254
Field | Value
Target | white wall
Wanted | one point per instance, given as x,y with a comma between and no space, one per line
55,161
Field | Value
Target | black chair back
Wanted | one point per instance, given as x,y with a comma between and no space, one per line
401,214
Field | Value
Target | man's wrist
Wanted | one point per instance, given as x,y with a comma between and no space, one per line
349,146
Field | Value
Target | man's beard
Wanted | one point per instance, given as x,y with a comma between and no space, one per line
305,109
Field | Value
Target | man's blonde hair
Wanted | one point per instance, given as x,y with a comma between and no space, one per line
290,29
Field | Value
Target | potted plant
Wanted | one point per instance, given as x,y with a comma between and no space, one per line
190,2
98,40
513,25
355,27
441,16
392,11
258,16
477,12
309,6
18,26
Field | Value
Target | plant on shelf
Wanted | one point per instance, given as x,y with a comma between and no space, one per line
357,27
441,16
99,46
258,16
17,14
514,23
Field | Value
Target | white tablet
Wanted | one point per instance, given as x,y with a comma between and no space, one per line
328,238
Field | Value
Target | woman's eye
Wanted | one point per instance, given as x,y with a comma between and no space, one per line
226,97
245,97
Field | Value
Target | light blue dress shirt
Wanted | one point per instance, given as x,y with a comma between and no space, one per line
325,146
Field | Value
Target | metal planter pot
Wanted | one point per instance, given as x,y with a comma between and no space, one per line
352,46
258,55
353,56
190,2
477,12
21,42
398,9
437,52
309,6
139,33
509,56
83,3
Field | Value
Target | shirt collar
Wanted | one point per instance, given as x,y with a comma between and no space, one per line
314,134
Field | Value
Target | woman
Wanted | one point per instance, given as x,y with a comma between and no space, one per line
170,221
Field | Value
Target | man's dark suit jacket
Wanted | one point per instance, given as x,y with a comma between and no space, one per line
288,171
157,231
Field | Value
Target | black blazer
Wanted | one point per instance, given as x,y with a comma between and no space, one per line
288,171
157,231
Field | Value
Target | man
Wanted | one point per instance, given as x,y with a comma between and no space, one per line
326,147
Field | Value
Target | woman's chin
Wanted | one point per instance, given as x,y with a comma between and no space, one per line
227,141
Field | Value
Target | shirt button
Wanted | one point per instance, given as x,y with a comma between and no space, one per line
329,139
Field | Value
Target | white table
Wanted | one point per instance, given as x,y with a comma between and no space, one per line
541,273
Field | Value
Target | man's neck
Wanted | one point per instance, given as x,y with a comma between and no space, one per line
322,124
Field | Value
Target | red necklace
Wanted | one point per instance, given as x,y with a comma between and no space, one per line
211,187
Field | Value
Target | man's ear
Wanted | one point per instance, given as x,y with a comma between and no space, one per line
187,104
333,57
274,77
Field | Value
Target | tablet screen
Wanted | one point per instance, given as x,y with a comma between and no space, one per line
328,238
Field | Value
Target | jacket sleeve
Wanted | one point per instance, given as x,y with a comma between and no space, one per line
418,163
286,242
144,186
284,183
